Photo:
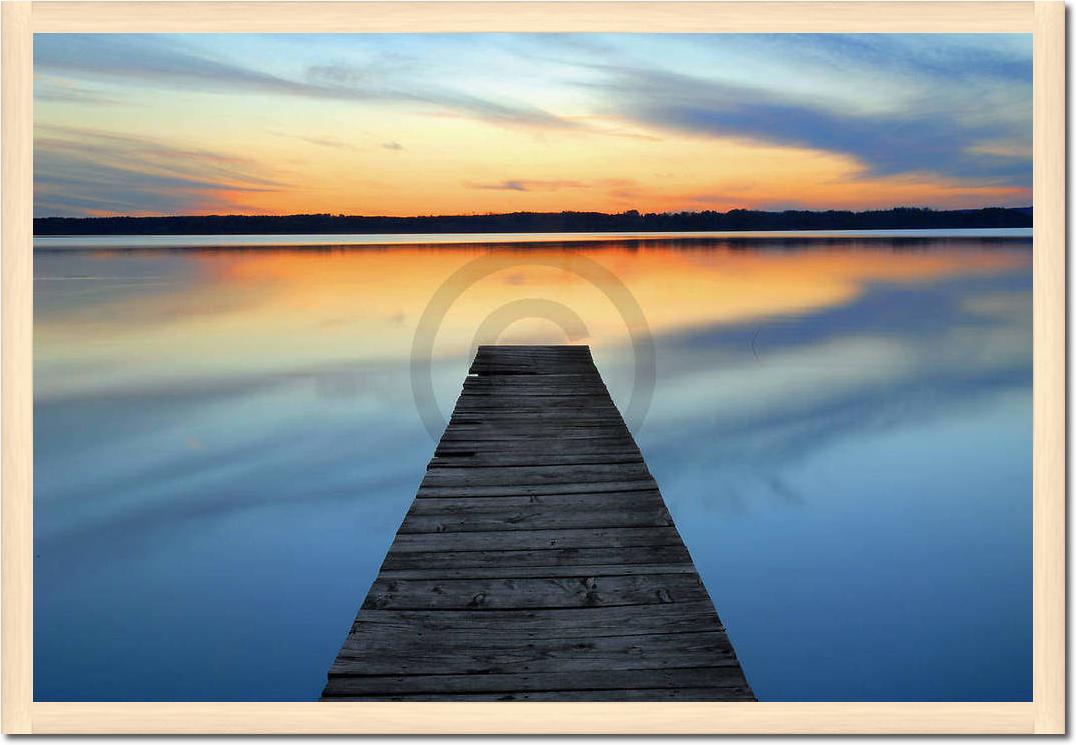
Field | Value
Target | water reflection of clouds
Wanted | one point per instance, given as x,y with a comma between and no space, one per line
860,476
896,355
256,436
210,451
732,397
228,311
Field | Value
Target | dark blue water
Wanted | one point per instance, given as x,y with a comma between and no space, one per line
226,441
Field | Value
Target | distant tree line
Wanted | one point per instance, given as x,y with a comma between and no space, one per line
542,222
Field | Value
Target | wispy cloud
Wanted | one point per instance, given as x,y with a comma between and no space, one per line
48,89
678,117
336,143
329,142
155,60
527,185
936,142
948,58
549,184
85,171
149,58
341,80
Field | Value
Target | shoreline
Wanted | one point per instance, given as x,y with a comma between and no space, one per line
389,240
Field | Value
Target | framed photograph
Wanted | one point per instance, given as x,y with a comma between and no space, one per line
526,367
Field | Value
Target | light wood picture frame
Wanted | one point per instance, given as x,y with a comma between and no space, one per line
1044,715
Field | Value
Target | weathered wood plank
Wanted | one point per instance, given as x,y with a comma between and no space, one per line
537,423
536,519
626,500
533,389
551,445
643,694
501,460
717,676
519,434
537,419
555,623
674,553
500,572
523,475
538,490
406,654
530,403
543,592
506,540
538,560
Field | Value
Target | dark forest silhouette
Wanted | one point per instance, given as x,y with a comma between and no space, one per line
541,222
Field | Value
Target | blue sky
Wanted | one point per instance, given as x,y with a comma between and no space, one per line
418,124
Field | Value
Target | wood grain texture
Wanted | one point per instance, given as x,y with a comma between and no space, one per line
666,17
570,595
1048,311
16,378
474,717
469,716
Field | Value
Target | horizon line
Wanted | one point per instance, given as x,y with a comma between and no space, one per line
629,212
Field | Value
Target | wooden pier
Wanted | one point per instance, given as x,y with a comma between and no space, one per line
538,560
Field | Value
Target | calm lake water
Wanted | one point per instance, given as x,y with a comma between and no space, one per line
226,440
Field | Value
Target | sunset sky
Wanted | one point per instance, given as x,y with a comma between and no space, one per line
399,124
